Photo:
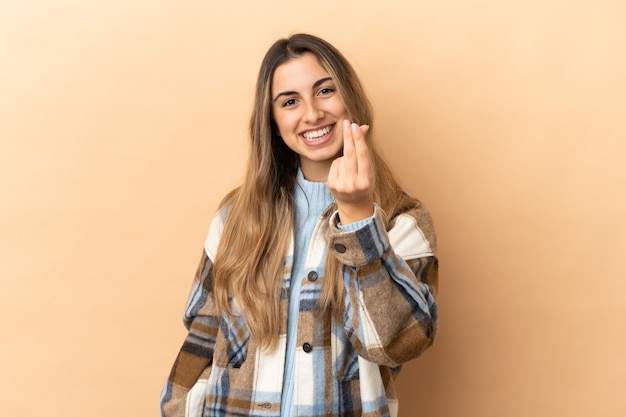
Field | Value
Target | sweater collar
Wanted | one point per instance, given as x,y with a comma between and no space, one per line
315,195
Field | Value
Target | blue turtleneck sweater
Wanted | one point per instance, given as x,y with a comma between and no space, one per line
311,199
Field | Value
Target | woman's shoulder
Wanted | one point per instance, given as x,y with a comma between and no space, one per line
414,215
215,233
216,226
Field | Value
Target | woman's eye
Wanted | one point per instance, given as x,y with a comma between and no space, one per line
289,102
326,90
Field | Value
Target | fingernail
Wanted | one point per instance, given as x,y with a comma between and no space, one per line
346,124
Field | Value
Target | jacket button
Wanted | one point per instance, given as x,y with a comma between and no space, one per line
312,276
307,347
340,248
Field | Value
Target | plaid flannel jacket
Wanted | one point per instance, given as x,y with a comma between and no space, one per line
342,369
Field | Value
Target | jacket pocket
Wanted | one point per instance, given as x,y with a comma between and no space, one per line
231,347
345,357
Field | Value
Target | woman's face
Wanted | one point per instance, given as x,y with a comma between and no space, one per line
309,112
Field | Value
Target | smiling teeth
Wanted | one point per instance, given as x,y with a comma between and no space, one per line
316,133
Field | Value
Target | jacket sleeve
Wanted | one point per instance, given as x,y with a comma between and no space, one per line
390,280
193,363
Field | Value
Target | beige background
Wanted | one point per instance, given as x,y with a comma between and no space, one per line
122,125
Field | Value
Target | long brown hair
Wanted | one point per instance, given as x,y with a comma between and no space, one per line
249,264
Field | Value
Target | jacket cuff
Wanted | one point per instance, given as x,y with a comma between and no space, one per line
361,246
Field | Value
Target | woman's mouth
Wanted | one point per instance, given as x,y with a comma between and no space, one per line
315,135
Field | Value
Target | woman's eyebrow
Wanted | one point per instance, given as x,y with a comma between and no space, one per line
320,82
315,85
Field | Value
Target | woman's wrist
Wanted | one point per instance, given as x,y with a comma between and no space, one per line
352,214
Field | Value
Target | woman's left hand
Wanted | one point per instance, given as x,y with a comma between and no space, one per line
351,176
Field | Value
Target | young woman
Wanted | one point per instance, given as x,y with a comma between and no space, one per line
318,276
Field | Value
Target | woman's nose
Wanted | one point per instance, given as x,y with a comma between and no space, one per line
312,113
